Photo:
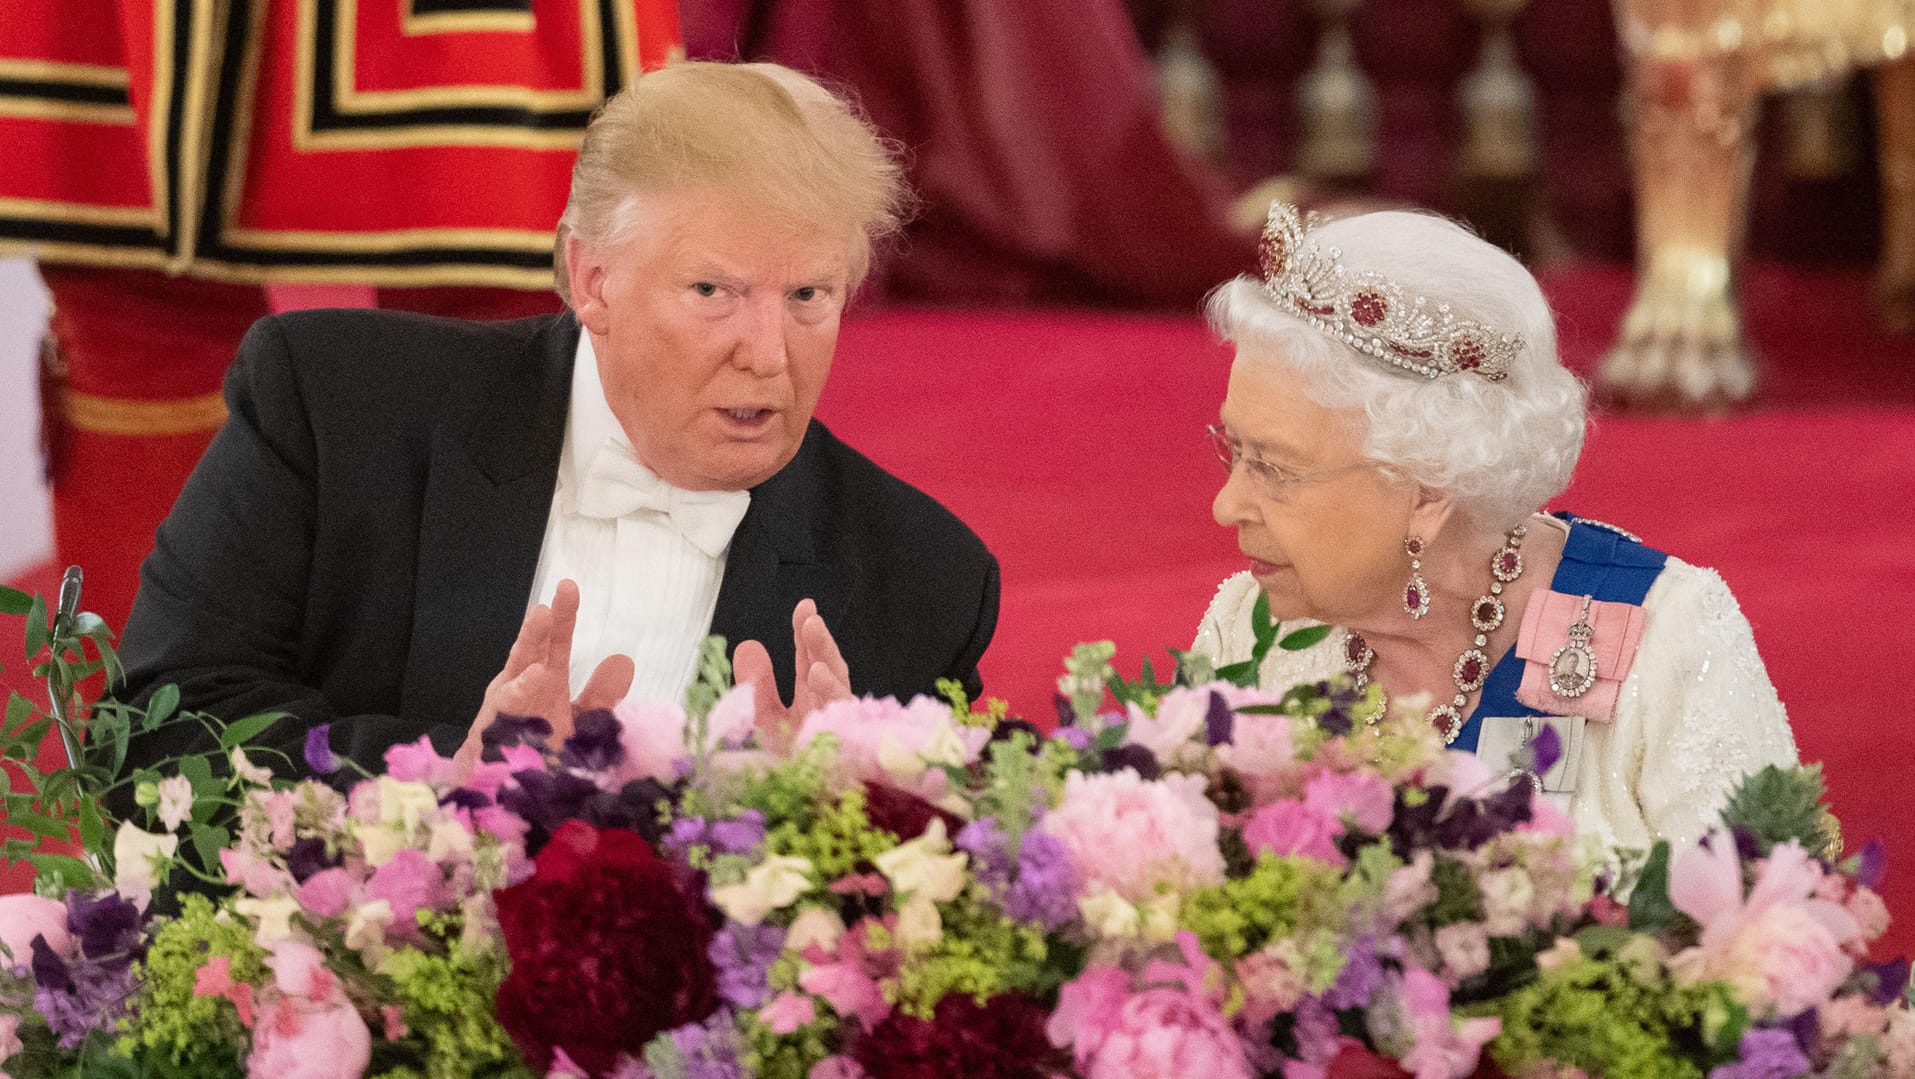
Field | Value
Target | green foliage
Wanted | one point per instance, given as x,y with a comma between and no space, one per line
712,680
1596,1013
1280,895
838,839
181,1034
982,953
1780,804
446,1003
1650,910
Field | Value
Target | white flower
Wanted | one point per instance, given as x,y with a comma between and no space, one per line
922,868
450,841
919,926
1110,914
772,884
405,804
1160,918
248,771
366,928
815,925
1507,897
378,842
274,916
138,858
176,801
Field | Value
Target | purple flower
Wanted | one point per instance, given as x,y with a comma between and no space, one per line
514,731
1220,722
1545,749
1134,757
739,835
1766,1053
709,1050
1077,738
319,756
1360,978
594,745
96,997
743,955
108,927
1045,891
1870,863
308,857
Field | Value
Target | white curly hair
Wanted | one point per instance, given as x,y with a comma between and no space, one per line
1499,449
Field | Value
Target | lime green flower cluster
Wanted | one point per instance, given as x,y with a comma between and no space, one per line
838,838
1282,895
446,1004
1610,1010
181,1034
770,1055
981,953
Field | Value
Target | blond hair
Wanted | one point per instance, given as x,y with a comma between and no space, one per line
762,132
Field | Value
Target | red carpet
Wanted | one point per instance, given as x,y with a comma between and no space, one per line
1073,443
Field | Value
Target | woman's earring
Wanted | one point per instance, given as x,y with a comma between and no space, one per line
1416,594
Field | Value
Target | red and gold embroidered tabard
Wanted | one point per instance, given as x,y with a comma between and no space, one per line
390,142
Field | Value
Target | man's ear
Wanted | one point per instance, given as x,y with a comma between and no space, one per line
585,271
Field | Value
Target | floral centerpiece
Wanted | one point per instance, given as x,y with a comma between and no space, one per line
1184,877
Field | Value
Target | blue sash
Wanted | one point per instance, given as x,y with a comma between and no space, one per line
1597,561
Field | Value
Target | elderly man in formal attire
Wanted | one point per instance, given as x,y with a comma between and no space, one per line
362,542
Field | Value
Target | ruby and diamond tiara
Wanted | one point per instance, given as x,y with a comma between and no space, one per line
1369,313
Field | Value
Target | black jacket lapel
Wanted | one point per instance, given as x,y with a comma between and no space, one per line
488,494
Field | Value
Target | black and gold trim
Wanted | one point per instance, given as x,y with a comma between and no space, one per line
77,93
467,17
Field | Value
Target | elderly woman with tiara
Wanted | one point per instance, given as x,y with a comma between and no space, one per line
1396,418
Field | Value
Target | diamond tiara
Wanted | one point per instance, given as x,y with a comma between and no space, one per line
1371,314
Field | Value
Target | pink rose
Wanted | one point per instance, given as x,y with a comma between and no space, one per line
299,1039
1293,827
1137,837
24,917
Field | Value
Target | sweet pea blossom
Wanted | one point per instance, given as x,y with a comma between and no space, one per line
1443,1047
924,866
1180,719
772,884
1781,946
882,741
176,801
138,857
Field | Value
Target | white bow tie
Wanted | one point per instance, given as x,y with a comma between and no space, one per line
617,485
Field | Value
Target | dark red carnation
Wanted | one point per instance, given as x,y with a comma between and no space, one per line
1354,1061
607,950
1001,1039
902,814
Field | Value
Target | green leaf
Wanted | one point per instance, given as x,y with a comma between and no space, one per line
1303,638
1239,674
1780,804
208,841
41,825
65,870
1650,910
14,601
16,850
245,730
18,709
36,628
160,706
92,825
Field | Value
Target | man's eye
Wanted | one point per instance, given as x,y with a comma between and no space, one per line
806,293
705,288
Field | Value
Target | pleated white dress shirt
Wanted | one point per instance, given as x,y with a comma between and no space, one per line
648,557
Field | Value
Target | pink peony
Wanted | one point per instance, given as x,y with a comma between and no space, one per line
1362,799
1086,1011
882,741
1262,756
298,1039
1293,827
1443,1047
1166,1034
24,917
1780,946
1182,715
1138,837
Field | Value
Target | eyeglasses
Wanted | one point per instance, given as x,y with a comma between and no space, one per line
1272,481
